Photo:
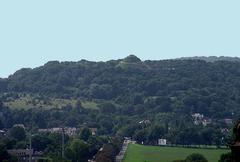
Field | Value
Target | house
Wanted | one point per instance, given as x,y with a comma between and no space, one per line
228,121
162,142
145,122
70,131
19,125
91,160
23,154
199,119
225,131
197,116
206,122
2,133
93,131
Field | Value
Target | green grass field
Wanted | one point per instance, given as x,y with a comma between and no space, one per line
140,153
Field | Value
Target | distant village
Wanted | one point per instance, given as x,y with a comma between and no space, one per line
23,154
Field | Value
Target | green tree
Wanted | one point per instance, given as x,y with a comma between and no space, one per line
226,157
155,133
40,142
4,156
107,108
18,133
1,124
85,134
1,104
78,151
196,158
78,106
140,136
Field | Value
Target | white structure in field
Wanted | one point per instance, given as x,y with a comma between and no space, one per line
162,142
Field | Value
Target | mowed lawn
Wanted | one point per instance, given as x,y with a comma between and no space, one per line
141,153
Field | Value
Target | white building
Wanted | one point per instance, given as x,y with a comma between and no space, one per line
67,130
162,142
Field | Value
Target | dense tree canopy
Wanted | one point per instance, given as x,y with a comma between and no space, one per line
196,158
211,88
18,133
146,100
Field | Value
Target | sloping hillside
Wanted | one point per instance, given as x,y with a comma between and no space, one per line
185,101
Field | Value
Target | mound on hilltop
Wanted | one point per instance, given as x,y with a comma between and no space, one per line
132,62
132,59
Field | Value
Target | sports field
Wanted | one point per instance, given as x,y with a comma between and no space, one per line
140,153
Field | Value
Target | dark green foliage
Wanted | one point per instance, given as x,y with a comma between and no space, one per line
40,142
77,151
226,158
140,136
85,134
107,108
212,58
18,133
78,106
1,124
4,156
185,86
95,143
156,132
45,160
236,131
3,85
196,158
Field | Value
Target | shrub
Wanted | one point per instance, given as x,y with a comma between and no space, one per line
196,158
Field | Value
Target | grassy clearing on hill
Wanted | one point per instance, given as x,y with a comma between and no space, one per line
140,153
28,102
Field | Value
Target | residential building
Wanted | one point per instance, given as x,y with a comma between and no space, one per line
70,131
23,154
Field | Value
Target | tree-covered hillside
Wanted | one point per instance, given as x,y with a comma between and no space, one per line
212,89
118,95
212,58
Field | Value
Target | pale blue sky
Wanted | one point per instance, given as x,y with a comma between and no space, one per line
33,32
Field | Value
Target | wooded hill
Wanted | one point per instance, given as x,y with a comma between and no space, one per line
118,95
210,88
